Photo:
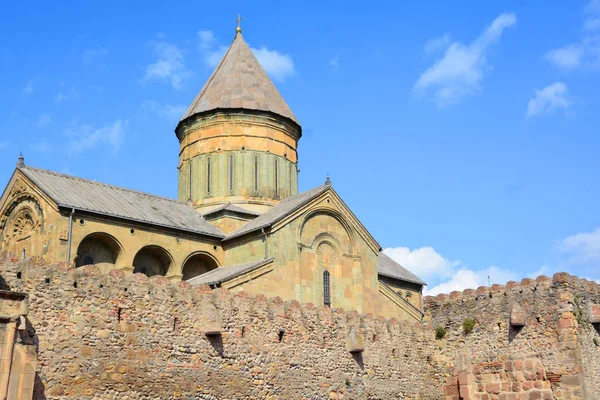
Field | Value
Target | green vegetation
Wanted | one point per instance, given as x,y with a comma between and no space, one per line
468,325
440,332
596,342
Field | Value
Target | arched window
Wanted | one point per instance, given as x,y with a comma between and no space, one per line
326,288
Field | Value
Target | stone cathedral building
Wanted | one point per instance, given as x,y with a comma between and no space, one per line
239,221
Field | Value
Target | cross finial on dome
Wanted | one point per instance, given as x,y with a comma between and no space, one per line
327,181
20,160
239,22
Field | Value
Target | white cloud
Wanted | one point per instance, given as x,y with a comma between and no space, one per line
168,111
460,71
169,66
424,262
445,275
86,137
43,120
567,57
585,53
89,55
470,279
582,247
335,62
279,66
207,40
437,44
549,99
28,88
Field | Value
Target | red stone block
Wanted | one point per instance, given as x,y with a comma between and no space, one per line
528,385
535,395
564,323
508,366
463,378
492,388
518,364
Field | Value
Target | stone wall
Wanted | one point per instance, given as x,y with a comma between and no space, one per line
530,340
117,336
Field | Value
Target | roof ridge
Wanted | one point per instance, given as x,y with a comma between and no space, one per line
77,178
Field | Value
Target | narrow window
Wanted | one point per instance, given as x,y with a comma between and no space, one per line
276,177
190,182
290,180
256,173
208,175
231,173
24,254
326,288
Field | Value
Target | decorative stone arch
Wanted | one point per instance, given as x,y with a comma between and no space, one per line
152,260
198,263
99,248
20,223
305,241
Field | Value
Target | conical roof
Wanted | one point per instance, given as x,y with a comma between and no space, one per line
239,81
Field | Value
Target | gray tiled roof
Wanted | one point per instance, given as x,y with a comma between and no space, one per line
95,197
390,268
230,207
239,81
223,274
280,211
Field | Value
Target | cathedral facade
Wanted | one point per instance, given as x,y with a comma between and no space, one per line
238,222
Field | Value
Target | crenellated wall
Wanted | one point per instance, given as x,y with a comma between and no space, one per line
108,336
536,339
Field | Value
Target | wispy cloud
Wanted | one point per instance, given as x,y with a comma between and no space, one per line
460,71
581,253
586,52
549,99
89,55
85,137
28,88
169,66
67,92
437,44
3,145
168,111
43,120
278,65
335,62
446,275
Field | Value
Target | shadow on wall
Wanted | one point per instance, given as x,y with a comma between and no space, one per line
3,284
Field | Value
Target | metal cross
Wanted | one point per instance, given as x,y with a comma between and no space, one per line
239,21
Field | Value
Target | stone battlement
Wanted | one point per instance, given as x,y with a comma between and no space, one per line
513,288
108,335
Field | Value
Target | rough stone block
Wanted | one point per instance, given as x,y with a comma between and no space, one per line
594,313
518,318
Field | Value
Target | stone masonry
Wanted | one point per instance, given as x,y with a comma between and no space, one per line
112,336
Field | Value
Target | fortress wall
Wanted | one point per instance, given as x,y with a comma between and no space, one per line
112,336
554,355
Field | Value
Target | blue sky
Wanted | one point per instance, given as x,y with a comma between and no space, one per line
465,135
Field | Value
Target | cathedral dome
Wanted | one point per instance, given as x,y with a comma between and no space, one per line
238,139
239,82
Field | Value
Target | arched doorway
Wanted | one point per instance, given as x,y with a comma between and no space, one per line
98,248
196,265
152,260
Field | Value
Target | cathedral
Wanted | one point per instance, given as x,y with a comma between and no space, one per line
238,222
